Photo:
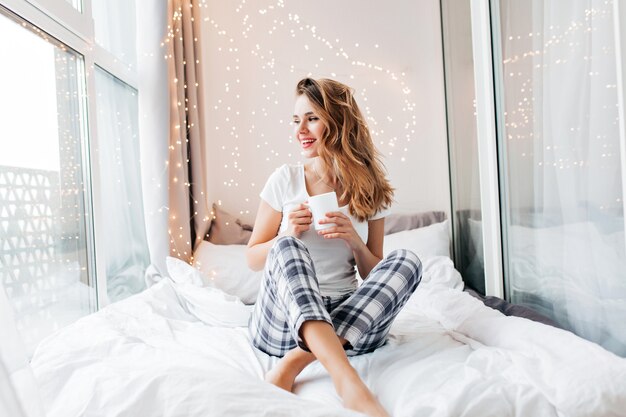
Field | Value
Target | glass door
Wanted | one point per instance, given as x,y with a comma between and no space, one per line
456,26
561,165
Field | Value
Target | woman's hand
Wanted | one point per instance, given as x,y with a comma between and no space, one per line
343,229
299,221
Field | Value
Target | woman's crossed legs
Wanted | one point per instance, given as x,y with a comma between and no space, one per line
293,321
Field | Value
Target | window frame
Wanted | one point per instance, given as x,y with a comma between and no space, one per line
486,126
619,16
75,29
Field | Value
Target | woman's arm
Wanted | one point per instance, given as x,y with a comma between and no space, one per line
265,231
368,255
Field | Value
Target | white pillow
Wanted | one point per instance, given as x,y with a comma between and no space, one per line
225,267
433,240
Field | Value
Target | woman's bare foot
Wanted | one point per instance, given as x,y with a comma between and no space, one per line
281,376
356,396
284,373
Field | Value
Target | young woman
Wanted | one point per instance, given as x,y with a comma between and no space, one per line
309,306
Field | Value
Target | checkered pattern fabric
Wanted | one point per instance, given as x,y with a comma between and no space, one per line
290,295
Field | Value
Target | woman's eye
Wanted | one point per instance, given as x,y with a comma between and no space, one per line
295,122
311,119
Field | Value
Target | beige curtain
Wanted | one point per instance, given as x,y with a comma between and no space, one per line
189,218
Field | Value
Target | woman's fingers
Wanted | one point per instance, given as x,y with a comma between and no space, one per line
302,220
300,211
301,215
336,217
335,214
299,220
334,236
331,230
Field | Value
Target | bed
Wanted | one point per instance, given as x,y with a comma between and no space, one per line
180,348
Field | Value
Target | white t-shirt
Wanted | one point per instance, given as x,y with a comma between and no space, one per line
333,259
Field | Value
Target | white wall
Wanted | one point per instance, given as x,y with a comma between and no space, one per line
255,53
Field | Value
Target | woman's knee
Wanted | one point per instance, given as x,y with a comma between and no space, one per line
289,256
284,245
288,243
410,261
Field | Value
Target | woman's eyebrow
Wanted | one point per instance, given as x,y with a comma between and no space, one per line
306,114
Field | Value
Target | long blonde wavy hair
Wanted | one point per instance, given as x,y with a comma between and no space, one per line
347,147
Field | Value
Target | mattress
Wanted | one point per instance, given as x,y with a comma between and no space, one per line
183,350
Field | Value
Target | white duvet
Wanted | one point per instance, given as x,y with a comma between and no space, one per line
180,350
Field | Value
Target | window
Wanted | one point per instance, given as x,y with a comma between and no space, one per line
67,140
114,26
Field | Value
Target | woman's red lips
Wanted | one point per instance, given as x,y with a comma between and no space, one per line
307,142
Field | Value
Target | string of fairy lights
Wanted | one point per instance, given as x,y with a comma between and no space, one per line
236,125
331,55
239,121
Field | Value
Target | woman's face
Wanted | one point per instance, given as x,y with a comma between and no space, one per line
308,127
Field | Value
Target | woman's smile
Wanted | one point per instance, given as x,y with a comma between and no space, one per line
307,142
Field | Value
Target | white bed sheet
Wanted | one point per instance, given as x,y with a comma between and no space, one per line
180,350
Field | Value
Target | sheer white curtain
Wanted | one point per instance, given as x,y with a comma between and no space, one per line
154,125
126,249
566,252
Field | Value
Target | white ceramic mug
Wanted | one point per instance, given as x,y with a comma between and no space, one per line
320,205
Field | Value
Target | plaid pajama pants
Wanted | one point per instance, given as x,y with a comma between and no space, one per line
290,295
